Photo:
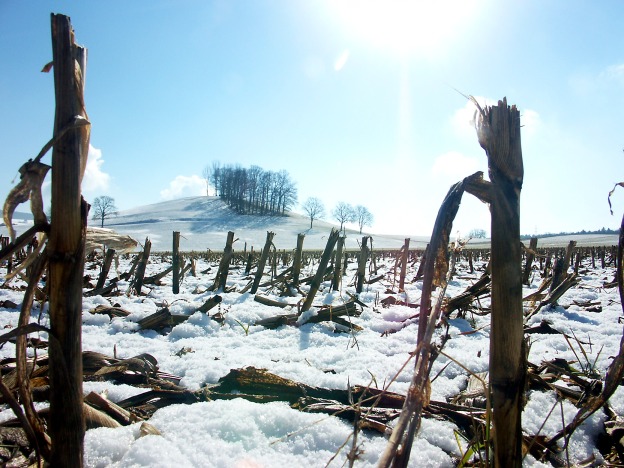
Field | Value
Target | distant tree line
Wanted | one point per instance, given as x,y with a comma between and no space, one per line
550,234
252,190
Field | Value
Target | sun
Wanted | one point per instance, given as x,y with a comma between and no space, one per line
406,27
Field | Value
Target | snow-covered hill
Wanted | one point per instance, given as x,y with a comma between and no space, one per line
203,223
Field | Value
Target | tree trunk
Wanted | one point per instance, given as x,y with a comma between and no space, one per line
499,135
66,249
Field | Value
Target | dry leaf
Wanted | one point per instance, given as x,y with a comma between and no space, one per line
32,175
621,184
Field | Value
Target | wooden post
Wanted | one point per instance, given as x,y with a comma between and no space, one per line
66,249
361,272
108,260
499,135
530,256
297,259
262,262
176,262
338,265
404,264
140,271
320,273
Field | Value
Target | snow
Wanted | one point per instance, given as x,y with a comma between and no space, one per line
244,434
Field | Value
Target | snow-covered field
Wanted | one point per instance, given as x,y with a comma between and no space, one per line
240,433
203,223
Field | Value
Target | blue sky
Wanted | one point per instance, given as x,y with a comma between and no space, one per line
356,100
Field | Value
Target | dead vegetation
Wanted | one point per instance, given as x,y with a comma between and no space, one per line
487,413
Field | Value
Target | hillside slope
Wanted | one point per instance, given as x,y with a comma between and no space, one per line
203,223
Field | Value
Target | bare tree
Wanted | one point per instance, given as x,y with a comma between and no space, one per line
215,176
103,208
343,213
363,217
207,174
477,234
314,208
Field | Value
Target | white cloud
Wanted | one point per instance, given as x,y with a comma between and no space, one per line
454,165
94,178
530,121
184,186
463,119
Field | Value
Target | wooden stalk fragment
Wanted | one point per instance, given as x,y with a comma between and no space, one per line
224,264
436,265
108,260
361,271
498,131
154,279
337,265
568,257
320,272
66,249
157,320
297,259
404,258
176,262
140,270
210,304
262,262
530,256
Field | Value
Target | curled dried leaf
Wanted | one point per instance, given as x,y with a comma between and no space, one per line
621,184
47,67
32,175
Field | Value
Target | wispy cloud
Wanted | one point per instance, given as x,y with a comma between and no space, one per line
184,186
589,83
614,73
95,179
463,120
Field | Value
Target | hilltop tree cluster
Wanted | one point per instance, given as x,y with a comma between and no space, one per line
252,190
